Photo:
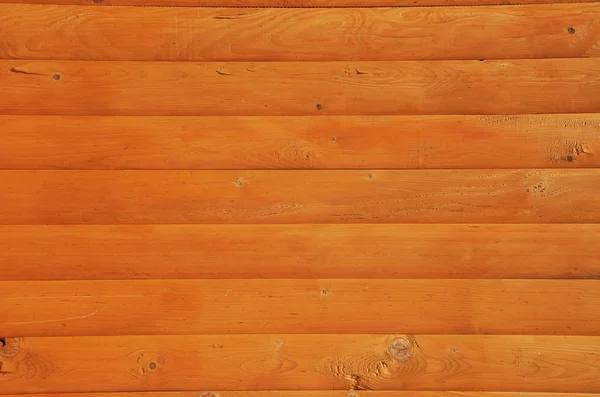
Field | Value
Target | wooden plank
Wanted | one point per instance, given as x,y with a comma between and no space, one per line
299,251
311,393
252,34
292,3
152,307
305,362
421,196
300,88
306,142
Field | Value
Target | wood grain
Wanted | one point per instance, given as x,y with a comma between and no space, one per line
300,88
305,362
299,251
414,196
309,393
152,307
252,34
291,3
305,142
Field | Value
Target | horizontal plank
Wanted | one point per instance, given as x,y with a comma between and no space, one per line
291,3
299,251
152,307
304,362
414,196
310,393
300,88
246,34
305,142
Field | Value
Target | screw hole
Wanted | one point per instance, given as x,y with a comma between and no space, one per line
152,365
571,30
56,76
569,158
319,106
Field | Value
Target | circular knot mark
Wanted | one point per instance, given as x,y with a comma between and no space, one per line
56,76
400,349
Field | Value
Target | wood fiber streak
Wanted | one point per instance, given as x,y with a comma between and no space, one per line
300,88
251,34
168,307
305,142
305,362
299,251
413,196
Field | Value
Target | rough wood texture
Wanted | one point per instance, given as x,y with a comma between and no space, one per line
299,251
246,34
292,3
333,362
305,142
413,196
168,307
300,88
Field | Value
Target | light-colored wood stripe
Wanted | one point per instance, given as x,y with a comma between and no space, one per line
305,362
300,88
306,142
151,307
251,34
292,3
299,251
414,196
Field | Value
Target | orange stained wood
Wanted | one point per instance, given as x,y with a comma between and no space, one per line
294,198
305,362
310,393
255,34
300,88
290,3
412,196
303,142
54,252
440,306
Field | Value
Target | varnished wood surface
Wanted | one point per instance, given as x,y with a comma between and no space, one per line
155,307
300,88
313,393
253,34
291,3
305,362
305,142
299,251
378,196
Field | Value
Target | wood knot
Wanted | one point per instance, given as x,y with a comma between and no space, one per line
370,176
239,181
9,347
56,76
149,363
400,350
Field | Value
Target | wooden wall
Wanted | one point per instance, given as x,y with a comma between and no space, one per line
300,198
